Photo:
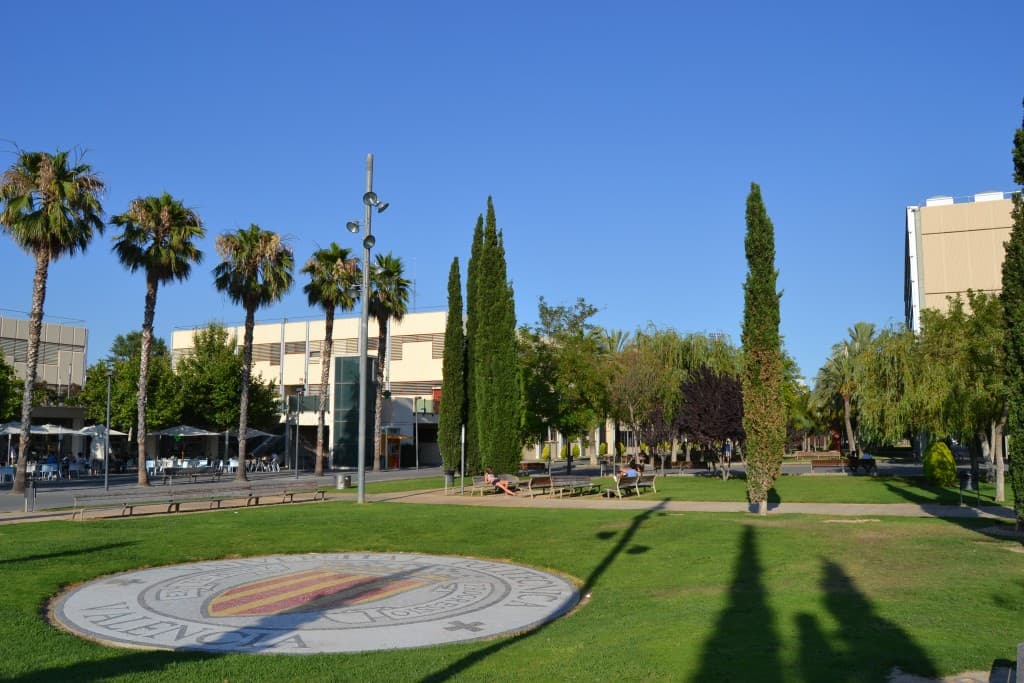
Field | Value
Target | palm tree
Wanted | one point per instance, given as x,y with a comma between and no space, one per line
157,236
389,299
332,284
255,271
838,377
51,208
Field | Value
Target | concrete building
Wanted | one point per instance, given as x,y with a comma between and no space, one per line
952,245
288,352
62,350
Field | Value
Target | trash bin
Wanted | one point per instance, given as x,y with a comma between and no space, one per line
966,481
343,481
449,478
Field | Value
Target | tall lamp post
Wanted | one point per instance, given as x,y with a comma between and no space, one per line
370,200
106,436
298,417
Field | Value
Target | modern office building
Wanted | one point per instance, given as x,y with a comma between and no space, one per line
62,350
952,245
288,352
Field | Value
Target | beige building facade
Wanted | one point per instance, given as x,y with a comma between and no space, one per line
289,353
952,245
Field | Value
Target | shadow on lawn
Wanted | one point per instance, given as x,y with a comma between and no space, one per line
64,553
746,646
134,663
972,519
456,668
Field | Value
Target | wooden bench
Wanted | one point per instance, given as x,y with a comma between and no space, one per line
540,483
192,473
482,487
646,481
622,485
533,466
868,465
168,502
819,463
171,501
574,484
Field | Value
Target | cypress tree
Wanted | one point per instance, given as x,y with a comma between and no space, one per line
1013,318
497,370
453,383
473,465
764,412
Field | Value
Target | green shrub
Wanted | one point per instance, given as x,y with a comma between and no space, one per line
939,465
545,453
564,453
575,450
622,448
603,448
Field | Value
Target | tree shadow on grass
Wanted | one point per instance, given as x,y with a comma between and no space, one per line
969,517
744,645
64,554
133,663
457,668
873,645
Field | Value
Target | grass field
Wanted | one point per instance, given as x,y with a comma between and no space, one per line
674,596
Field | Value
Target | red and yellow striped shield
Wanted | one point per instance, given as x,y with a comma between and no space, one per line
308,591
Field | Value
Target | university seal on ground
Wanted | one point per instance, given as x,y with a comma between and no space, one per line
315,603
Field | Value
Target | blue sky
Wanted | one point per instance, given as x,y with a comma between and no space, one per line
618,140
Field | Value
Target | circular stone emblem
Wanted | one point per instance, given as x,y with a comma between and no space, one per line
306,604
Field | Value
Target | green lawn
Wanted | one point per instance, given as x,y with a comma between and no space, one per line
674,596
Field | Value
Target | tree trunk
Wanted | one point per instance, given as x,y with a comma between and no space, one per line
35,327
998,459
326,357
850,439
141,398
762,507
243,405
378,410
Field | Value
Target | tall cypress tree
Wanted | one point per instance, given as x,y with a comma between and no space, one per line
1013,318
764,412
497,370
453,383
473,465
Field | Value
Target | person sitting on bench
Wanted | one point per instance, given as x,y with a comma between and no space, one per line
492,479
628,470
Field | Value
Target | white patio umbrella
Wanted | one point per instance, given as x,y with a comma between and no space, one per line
12,428
97,430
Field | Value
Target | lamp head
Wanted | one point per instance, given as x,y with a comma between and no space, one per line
369,241
353,226
381,206
370,199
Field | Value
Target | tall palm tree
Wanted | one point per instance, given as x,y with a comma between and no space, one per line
333,278
51,208
838,377
389,300
157,236
255,271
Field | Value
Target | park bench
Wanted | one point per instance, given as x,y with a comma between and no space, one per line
574,484
869,466
622,485
540,483
480,486
194,474
832,463
532,467
212,499
646,481
170,501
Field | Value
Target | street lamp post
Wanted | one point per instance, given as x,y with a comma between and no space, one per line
106,436
370,201
298,419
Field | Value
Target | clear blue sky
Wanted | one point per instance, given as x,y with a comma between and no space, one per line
618,139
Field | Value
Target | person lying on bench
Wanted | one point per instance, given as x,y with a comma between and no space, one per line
492,479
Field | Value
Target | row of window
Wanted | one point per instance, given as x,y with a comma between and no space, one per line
50,353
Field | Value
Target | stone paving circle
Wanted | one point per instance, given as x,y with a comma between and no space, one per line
314,603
